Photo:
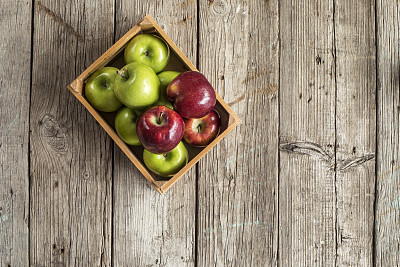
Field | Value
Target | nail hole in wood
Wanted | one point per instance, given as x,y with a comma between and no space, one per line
318,59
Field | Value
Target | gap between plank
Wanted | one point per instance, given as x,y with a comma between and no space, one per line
335,145
29,132
196,229
279,132
376,136
112,161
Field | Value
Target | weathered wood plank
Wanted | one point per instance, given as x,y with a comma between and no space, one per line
15,48
152,229
356,130
238,179
387,228
71,155
307,211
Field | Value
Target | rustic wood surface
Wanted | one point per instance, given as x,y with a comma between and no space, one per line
15,30
387,211
70,156
310,177
307,197
355,56
237,203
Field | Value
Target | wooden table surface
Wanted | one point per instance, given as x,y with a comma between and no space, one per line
310,177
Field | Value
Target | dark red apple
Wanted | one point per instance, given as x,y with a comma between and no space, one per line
191,94
201,132
160,129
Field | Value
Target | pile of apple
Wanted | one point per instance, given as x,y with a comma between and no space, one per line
156,108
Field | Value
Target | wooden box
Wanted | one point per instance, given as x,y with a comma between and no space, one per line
178,62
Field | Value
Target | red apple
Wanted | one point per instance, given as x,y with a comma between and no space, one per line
191,94
160,129
201,132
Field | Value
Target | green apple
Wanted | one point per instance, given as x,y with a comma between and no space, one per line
163,102
137,86
147,49
125,124
165,78
99,90
167,164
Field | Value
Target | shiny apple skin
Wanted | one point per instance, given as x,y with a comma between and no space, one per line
125,125
167,164
100,92
137,86
191,94
148,49
201,132
160,129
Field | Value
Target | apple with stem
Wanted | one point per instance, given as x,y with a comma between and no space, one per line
167,164
160,129
147,49
99,90
137,86
201,132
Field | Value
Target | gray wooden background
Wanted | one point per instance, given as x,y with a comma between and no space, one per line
310,177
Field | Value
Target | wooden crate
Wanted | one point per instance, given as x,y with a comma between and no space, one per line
179,62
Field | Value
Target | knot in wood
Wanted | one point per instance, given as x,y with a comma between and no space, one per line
220,7
52,134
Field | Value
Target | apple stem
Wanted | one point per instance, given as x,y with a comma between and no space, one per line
122,73
198,128
159,117
146,53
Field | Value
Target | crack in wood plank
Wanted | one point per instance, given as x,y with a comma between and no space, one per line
237,100
316,150
350,163
306,148
57,18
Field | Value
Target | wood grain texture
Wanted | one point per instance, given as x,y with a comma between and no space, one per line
294,185
307,212
387,211
356,130
152,229
71,156
15,70
238,179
